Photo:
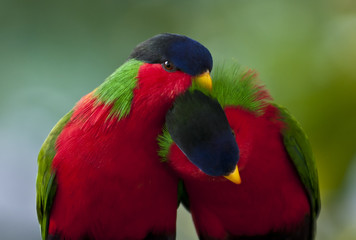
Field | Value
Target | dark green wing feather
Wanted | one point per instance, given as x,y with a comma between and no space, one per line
299,149
46,183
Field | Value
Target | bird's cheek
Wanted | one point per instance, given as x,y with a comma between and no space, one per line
178,84
160,83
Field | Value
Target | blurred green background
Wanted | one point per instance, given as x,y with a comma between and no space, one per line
54,52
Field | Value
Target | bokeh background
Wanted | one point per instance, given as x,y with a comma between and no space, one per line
54,52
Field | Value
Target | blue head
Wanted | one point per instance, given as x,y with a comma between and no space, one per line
199,127
185,54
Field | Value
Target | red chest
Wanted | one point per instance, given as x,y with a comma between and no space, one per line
270,197
111,183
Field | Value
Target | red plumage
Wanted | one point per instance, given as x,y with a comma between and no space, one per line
271,198
111,183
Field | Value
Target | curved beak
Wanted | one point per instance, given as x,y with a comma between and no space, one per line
204,80
234,176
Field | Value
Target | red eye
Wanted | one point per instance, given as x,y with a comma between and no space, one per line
168,66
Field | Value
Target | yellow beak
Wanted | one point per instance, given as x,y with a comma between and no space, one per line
234,176
204,80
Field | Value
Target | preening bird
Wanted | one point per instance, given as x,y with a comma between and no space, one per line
99,175
276,195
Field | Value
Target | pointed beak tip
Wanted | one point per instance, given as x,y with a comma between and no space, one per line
234,176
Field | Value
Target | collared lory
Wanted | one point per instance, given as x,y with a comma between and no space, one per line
99,175
277,193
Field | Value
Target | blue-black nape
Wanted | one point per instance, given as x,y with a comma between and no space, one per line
199,127
184,53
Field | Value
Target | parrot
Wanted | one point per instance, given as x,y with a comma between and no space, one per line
272,192
99,174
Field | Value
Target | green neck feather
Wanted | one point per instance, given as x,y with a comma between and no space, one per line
232,86
117,90
237,86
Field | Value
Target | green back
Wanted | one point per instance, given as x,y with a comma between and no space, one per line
299,149
46,183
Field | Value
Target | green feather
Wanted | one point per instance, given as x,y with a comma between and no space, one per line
236,86
164,142
117,90
46,184
232,86
299,149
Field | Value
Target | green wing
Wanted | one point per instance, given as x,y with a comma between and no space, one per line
46,184
299,149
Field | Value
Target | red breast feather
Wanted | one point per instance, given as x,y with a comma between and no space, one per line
111,183
270,197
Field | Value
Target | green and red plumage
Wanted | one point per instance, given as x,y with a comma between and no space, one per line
99,174
278,197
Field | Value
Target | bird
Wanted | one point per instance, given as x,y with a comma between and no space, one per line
99,175
273,192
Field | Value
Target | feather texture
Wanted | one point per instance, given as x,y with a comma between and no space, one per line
117,89
99,174
46,185
279,195
298,147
